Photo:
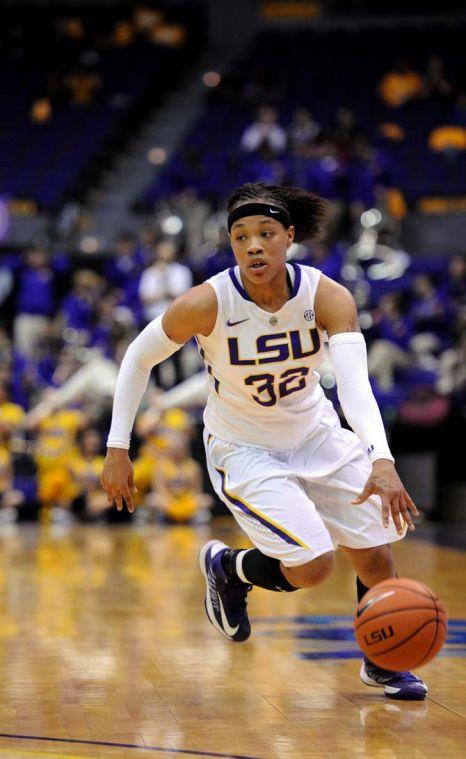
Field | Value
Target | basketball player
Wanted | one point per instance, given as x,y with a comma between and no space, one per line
296,482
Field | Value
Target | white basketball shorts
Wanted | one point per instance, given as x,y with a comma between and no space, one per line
296,505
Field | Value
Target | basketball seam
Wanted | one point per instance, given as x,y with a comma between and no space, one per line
402,642
423,659
391,611
410,590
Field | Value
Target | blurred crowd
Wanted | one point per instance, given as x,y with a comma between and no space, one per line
67,320
67,48
66,326
64,332
355,158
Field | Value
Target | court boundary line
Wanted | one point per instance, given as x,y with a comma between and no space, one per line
110,744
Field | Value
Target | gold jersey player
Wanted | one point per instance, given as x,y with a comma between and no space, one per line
298,484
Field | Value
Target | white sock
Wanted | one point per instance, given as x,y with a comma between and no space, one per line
239,566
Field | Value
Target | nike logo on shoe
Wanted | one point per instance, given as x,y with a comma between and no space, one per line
272,211
233,324
228,629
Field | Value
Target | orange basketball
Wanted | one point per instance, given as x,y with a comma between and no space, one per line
400,624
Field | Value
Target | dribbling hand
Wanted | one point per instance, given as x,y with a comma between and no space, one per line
117,479
384,482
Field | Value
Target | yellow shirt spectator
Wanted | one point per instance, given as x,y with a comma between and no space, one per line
55,449
85,473
5,470
447,137
400,86
177,483
57,437
11,418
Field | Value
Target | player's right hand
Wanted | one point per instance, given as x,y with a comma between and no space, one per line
117,479
385,482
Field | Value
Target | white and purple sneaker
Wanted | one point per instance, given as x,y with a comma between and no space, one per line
226,600
403,686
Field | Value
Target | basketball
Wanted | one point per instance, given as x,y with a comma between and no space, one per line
400,624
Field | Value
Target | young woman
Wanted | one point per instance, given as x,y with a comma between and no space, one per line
296,482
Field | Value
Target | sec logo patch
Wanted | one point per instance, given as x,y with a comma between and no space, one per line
309,315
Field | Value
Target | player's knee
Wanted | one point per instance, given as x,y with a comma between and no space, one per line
378,564
312,573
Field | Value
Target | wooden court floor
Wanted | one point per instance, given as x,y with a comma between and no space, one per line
105,652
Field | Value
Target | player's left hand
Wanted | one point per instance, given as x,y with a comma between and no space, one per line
384,482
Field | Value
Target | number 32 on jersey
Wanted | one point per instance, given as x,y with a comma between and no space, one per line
272,348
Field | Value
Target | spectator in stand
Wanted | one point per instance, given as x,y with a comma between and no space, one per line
148,237
458,115
194,212
48,352
177,496
303,128
390,350
452,371
453,286
7,281
265,130
164,280
367,168
265,165
6,353
320,167
317,166
345,130
70,39
401,85
436,84
326,257
219,259
11,417
84,471
55,449
186,169
41,110
10,497
124,268
427,310
448,140
35,299
154,428
78,308
82,84
428,315
112,322
161,283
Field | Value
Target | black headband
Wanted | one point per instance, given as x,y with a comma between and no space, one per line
259,209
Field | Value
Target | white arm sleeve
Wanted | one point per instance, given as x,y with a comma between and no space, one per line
149,348
349,358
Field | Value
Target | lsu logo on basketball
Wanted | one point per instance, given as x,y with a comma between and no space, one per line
277,346
377,636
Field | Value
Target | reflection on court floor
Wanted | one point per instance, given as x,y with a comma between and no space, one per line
331,636
105,652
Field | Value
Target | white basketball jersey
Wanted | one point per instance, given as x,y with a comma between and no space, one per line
264,389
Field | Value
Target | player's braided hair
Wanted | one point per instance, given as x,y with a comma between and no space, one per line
308,212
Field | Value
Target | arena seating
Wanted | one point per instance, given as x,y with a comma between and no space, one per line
42,159
298,69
